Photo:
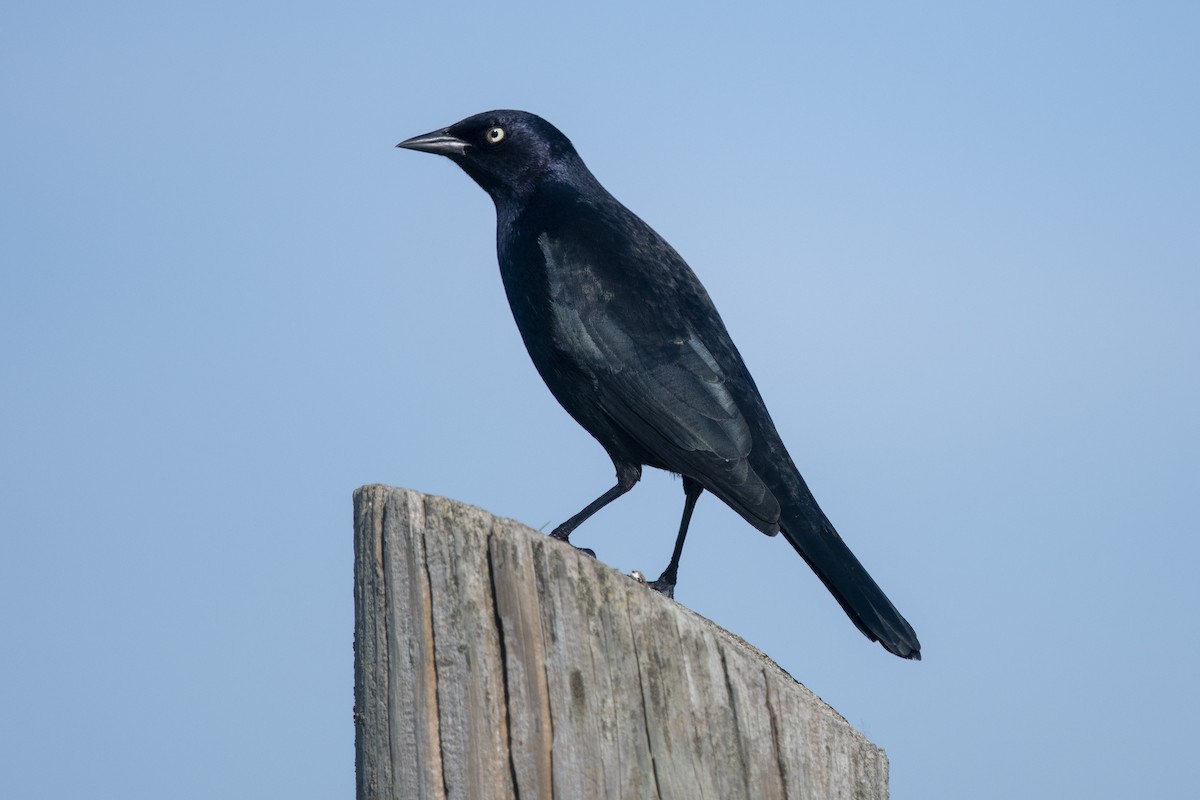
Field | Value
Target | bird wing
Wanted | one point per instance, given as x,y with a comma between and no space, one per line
654,377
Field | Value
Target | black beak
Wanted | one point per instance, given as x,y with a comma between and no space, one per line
439,142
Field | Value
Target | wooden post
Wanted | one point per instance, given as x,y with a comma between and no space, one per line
494,662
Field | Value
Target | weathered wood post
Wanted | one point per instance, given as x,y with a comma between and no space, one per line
494,662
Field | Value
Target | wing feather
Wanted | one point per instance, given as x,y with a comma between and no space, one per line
657,382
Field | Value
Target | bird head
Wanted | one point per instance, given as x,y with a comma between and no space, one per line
506,152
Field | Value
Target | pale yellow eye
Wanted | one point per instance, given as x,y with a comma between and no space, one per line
494,135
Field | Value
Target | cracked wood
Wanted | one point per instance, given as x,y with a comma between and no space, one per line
491,661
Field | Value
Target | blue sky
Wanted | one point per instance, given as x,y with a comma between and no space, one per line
957,246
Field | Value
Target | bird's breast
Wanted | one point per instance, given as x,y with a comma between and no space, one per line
549,300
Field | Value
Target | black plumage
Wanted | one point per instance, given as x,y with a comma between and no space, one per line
628,341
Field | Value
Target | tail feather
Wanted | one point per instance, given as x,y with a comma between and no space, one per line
818,543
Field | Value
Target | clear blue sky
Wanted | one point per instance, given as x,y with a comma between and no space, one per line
957,245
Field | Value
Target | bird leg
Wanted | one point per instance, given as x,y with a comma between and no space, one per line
666,581
627,477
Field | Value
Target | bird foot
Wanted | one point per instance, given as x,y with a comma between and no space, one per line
663,587
587,551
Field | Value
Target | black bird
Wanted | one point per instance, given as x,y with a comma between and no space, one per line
628,341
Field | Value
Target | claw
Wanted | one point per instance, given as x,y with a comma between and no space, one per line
662,587
587,551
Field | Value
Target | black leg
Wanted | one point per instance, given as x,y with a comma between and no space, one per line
627,476
666,581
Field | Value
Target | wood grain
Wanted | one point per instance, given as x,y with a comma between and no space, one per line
494,662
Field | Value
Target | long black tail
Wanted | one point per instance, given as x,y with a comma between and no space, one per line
808,530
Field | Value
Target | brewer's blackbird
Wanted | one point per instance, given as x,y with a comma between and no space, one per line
628,341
